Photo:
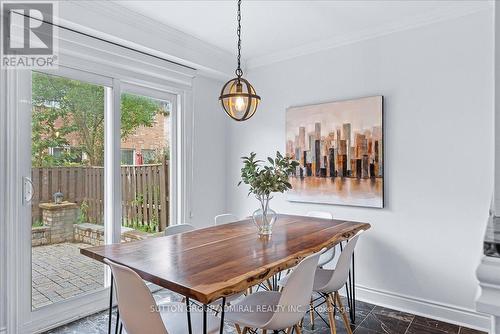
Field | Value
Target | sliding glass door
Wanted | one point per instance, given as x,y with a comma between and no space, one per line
96,158
67,173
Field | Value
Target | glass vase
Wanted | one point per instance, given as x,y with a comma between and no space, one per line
264,217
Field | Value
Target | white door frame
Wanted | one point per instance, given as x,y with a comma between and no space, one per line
110,71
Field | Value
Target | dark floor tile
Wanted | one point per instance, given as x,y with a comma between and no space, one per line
420,329
361,330
402,316
436,324
465,330
383,323
83,326
362,308
359,305
321,327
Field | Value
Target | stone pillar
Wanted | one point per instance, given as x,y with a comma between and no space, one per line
60,218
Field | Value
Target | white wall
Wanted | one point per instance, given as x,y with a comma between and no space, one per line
437,81
209,182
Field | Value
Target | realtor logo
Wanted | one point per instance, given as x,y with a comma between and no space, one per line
28,35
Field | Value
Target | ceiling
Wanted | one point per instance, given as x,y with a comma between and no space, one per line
280,29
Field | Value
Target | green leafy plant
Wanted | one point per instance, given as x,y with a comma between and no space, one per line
71,113
138,200
38,223
83,215
265,179
151,227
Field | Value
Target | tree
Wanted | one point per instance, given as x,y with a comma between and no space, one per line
65,108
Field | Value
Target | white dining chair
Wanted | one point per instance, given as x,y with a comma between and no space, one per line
225,218
140,314
179,228
329,255
273,310
328,282
320,214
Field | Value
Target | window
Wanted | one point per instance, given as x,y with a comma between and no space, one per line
66,155
127,156
150,156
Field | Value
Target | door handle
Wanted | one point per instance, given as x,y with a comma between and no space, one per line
28,190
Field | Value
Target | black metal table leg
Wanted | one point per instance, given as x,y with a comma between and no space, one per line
353,292
204,319
188,311
351,298
110,304
221,331
117,320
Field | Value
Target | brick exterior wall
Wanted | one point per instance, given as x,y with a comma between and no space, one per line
156,137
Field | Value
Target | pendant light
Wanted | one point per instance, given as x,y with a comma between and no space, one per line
238,97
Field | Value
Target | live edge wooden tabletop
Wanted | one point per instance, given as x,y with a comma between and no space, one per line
213,262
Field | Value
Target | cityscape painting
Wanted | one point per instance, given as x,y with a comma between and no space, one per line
339,147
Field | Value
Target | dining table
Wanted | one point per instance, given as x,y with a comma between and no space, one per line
212,263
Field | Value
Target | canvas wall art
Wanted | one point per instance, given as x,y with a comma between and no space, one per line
339,146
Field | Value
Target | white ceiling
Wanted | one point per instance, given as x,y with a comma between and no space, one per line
275,29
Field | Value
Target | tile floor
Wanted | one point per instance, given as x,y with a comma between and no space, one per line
370,319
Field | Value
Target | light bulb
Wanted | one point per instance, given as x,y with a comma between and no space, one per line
240,104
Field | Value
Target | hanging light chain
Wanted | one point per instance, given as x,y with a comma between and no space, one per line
238,71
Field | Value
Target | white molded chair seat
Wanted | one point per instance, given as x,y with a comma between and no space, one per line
176,322
333,280
136,305
329,282
321,278
272,310
179,228
258,306
225,218
329,255
320,214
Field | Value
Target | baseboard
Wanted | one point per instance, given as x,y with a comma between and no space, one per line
452,314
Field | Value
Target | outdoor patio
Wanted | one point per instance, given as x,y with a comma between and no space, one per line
60,272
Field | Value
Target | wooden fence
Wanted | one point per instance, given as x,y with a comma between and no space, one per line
145,193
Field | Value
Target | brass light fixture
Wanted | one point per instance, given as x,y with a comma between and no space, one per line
238,97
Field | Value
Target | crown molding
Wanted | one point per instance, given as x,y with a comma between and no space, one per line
346,39
113,22
118,24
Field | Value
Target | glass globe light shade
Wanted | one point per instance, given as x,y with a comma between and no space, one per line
239,100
